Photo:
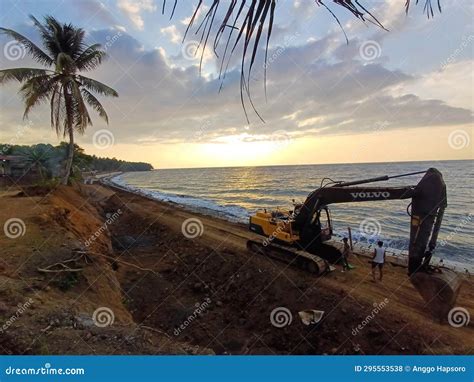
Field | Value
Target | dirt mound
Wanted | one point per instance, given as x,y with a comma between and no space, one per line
52,299
31,191
214,294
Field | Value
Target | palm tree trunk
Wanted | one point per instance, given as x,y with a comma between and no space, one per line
70,156
70,131
40,171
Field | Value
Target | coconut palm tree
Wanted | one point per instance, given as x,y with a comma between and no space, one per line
37,157
65,55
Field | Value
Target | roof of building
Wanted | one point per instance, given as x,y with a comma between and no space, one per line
10,157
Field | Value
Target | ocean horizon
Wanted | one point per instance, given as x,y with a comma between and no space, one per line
314,164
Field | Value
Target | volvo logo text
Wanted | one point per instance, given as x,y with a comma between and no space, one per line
370,195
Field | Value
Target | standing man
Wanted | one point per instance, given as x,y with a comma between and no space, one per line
378,260
345,255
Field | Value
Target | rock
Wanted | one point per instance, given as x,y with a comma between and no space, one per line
84,321
197,287
219,303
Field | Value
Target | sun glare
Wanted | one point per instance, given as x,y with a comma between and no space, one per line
239,149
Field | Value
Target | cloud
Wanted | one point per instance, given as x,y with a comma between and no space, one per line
133,10
308,95
95,8
172,34
439,84
311,92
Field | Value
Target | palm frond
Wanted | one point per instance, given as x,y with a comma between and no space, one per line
95,104
82,118
55,106
36,90
31,48
21,74
90,58
58,108
428,7
252,19
96,86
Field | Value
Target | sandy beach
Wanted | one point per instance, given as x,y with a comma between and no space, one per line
172,294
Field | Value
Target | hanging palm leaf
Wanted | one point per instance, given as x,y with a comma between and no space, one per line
245,22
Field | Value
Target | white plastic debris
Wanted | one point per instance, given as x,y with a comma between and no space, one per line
311,317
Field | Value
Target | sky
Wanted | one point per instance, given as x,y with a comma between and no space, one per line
398,95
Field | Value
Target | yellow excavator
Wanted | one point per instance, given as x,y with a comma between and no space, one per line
300,236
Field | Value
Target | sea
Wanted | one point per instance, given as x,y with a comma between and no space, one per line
234,193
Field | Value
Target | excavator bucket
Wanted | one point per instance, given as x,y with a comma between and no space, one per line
439,290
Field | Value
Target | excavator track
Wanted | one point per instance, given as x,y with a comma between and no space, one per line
300,259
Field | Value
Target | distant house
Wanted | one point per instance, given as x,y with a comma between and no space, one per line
13,166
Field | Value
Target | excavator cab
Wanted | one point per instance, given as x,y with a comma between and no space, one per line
324,221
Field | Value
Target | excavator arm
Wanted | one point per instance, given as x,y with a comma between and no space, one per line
438,286
427,209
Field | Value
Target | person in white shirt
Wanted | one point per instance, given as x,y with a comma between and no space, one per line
378,260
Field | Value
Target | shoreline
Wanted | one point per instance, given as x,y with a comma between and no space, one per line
395,256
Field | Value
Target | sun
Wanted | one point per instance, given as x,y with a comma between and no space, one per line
242,149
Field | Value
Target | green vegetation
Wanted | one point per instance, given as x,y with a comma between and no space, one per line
48,160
